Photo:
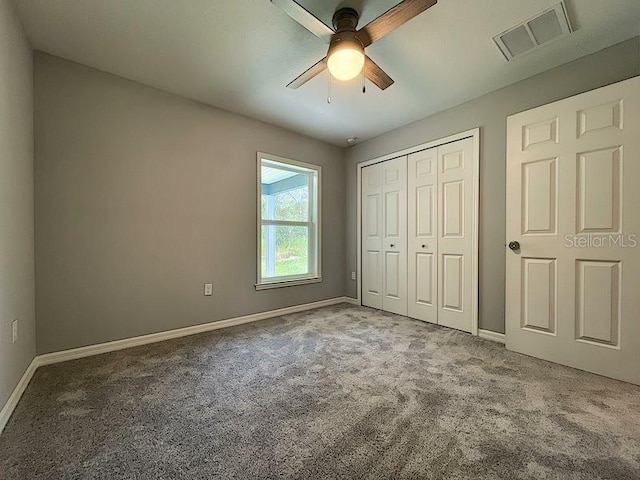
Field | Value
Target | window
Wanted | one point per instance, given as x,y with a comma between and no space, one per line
288,222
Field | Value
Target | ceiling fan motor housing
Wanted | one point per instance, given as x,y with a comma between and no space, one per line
345,20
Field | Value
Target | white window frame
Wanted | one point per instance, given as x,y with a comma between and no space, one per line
314,224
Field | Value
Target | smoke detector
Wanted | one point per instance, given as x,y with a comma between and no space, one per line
351,141
535,32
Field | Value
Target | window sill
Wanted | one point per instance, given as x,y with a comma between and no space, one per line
287,283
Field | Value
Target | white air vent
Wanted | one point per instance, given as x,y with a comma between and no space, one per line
535,32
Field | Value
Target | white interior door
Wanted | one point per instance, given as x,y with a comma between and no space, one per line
394,242
372,228
573,169
456,217
422,207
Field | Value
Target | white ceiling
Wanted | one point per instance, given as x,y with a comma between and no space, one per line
239,54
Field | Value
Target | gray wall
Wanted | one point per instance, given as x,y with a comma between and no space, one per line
16,202
489,112
142,197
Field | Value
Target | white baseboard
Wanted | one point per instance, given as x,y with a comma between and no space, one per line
494,336
75,353
13,400
351,300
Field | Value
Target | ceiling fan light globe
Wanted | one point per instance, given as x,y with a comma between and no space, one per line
346,61
346,64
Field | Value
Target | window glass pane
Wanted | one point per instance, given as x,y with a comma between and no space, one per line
287,202
288,195
285,251
293,205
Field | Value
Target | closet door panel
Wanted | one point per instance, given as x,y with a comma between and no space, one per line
372,236
394,243
455,234
422,246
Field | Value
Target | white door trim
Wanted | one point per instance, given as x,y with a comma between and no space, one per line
475,134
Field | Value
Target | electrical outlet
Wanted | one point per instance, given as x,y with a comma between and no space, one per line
208,289
14,330
353,275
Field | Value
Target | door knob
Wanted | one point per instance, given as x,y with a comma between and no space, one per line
392,246
514,245
424,246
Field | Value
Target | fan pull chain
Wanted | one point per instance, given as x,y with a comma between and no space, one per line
329,94
364,85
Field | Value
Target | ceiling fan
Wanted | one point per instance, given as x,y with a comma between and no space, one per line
346,57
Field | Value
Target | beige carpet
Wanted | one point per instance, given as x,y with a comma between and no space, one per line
338,392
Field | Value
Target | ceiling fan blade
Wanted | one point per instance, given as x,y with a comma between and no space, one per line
317,69
376,75
392,19
305,18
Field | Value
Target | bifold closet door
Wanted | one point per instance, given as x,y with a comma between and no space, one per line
456,203
384,236
372,236
394,241
418,235
422,246
440,235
